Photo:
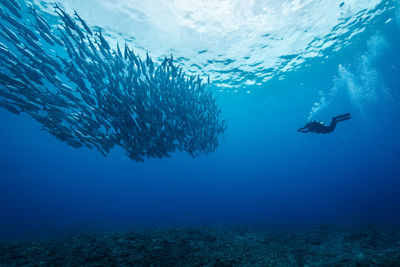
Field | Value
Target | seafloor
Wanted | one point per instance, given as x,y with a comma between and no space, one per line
213,246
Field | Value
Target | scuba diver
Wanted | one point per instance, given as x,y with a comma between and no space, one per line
319,127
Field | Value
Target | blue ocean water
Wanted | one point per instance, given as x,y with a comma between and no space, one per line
263,172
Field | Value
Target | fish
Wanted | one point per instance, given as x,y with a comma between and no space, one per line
103,41
13,6
8,106
88,94
13,37
83,23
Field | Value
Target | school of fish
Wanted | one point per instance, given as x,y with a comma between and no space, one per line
69,79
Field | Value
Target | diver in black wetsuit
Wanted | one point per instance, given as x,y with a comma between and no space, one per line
319,127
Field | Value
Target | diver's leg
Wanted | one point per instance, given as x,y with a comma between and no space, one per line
343,116
343,119
332,126
336,119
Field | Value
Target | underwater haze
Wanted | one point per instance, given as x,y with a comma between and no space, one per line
273,66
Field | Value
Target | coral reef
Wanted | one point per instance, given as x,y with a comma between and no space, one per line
213,246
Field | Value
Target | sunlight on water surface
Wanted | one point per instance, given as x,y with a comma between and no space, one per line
236,42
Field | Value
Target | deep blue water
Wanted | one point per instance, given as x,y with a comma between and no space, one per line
263,172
